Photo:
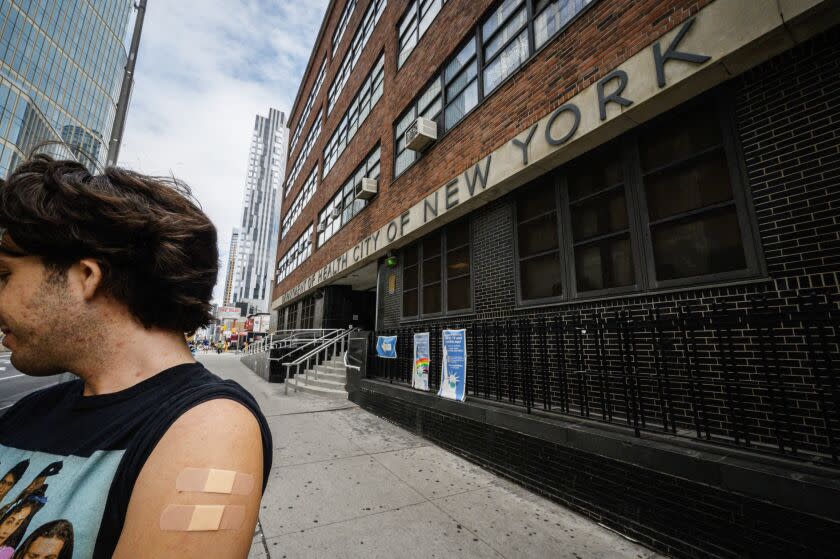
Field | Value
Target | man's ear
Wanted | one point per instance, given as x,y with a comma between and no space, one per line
90,276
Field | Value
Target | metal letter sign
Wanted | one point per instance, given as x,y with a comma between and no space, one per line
420,378
453,374
386,346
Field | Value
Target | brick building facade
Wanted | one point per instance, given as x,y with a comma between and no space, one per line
631,207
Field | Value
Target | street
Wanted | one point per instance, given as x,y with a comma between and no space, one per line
14,385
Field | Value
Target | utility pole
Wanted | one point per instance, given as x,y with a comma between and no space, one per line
127,84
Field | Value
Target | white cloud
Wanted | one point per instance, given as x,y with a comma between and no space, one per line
204,70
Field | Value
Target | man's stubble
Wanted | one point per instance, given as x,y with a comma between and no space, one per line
56,331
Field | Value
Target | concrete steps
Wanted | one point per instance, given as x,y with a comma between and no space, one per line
326,379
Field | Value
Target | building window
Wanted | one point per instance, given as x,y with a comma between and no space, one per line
430,273
495,49
663,206
461,85
599,220
505,42
345,206
692,212
304,153
538,241
436,273
552,15
409,283
357,45
295,256
458,276
428,105
417,18
300,202
342,24
368,95
307,314
292,317
316,88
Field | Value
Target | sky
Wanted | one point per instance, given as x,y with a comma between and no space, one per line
204,70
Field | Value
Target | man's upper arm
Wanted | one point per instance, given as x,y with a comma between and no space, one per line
219,434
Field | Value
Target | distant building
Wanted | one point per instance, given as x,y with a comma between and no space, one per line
54,87
258,234
231,268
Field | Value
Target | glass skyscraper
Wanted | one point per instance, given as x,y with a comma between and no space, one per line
253,277
61,65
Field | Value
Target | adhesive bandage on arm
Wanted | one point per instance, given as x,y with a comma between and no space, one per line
202,518
210,480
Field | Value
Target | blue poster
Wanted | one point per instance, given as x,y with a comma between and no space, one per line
453,374
420,378
386,346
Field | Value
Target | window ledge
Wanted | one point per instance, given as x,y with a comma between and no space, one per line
431,318
647,293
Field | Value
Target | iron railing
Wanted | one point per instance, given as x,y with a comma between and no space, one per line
289,343
749,373
289,338
329,347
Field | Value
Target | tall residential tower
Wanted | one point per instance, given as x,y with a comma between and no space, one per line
61,65
258,234
231,269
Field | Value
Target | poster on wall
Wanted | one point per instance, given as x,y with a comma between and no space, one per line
453,372
386,346
420,378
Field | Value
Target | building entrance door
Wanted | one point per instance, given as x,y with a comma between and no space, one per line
344,306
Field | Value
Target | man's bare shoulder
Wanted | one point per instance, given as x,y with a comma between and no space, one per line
218,434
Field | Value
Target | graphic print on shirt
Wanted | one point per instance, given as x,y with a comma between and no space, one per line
52,505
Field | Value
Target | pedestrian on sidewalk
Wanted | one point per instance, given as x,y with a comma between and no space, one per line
147,453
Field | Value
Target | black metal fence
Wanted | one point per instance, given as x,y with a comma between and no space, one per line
750,374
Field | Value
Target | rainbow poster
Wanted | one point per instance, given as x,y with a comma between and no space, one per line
420,373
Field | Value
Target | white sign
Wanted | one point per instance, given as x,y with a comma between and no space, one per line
228,312
261,322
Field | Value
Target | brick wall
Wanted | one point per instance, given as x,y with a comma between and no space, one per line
608,33
769,383
788,114
492,227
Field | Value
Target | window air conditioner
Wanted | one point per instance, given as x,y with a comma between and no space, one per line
366,189
336,213
322,227
420,134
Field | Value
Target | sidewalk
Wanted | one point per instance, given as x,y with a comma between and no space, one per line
346,483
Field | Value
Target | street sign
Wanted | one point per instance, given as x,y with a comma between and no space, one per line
228,312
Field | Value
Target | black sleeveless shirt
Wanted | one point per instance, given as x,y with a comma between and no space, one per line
69,462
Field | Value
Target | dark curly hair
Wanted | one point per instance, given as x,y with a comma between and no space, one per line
156,247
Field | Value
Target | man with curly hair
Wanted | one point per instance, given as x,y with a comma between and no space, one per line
102,276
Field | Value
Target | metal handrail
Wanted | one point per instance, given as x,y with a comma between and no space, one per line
269,341
278,337
326,338
325,347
